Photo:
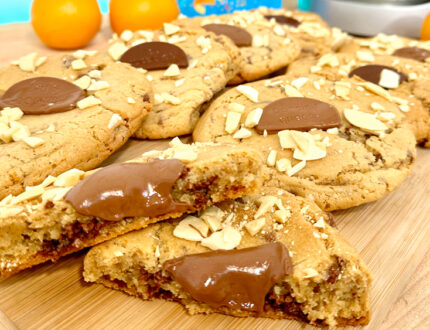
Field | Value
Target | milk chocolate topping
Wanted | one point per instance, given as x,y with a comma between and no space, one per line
372,73
42,95
297,113
286,20
155,55
128,190
240,37
415,53
238,279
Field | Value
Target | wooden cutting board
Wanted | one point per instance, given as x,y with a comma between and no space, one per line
392,235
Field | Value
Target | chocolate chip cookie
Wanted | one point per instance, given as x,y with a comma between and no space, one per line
186,67
77,209
405,80
267,255
64,112
266,45
339,143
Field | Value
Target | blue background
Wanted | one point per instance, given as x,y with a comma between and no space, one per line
19,10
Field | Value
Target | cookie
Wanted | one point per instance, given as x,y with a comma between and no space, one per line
187,67
265,44
78,209
321,140
405,80
313,34
56,118
270,255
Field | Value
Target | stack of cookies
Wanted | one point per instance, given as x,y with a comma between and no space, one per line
290,119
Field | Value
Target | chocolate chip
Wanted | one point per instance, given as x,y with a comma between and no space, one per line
146,97
297,113
155,55
415,53
372,73
286,20
42,95
240,37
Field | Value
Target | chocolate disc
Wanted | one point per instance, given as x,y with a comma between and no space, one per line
155,55
415,53
297,113
42,95
240,37
126,190
286,20
372,73
237,279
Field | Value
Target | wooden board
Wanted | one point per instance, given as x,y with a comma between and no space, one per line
392,235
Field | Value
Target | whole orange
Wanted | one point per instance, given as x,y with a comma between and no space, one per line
141,14
66,24
425,29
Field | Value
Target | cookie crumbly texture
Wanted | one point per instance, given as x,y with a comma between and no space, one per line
79,138
272,49
313,34
329,285
180,96
39,225
344,167
413,95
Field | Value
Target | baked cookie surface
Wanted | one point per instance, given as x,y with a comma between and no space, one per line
405,79
71,117
77,209
186,67
265,45
325,281
309,29
321,140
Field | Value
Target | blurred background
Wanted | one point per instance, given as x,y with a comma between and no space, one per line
19,10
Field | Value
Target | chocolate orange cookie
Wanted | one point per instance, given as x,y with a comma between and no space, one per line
186,67
270,255
405,80
77,209
62,112
266,45
321,140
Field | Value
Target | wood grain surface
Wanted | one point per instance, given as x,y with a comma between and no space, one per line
392,235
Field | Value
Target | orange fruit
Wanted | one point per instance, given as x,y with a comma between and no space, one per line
66,24
425,29
141,14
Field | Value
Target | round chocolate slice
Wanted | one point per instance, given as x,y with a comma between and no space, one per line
297,113
155,55
42,95
372,73
415,53
285,20
240,37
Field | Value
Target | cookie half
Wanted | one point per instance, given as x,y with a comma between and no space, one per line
270,255
56,118
405,80
187,67
79,209
321,140
265,45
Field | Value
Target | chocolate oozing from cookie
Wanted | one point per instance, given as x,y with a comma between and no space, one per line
239,36
297,113
372,73
155,55
285,20
237,279
42,95
415,53
128,190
